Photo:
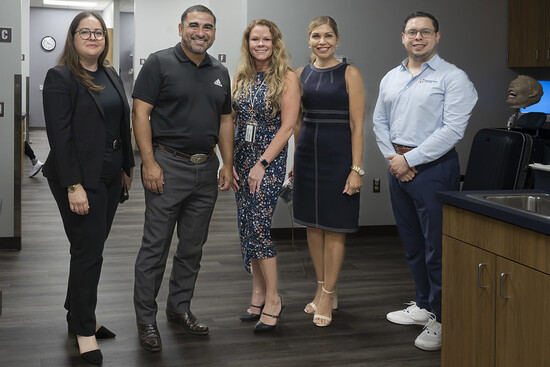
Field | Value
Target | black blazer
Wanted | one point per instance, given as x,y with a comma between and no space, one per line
75,124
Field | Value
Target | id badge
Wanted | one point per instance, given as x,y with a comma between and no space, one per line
250,135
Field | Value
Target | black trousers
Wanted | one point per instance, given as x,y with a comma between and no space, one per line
29,152
87,235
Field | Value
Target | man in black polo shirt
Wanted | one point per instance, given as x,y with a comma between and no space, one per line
182,109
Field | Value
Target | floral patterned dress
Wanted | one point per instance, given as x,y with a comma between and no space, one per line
255,211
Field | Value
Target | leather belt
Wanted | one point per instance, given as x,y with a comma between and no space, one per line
193,158
115,144
402,149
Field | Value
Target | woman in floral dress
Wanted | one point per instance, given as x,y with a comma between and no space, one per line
266,100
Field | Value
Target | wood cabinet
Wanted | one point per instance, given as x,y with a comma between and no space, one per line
496,293
529,33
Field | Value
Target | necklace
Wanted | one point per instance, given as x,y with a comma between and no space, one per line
252,124
253,99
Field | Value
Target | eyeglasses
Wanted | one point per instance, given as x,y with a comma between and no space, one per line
86,33
426,33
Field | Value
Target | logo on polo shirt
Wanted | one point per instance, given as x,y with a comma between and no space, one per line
218,83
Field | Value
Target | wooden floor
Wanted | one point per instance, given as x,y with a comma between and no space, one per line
33,331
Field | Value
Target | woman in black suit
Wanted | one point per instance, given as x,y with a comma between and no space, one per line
88,127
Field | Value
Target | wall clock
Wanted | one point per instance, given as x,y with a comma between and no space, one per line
48,43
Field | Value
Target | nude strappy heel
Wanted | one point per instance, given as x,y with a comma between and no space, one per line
312,305
317,318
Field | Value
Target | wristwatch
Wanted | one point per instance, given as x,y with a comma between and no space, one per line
264,162
359,170
72,188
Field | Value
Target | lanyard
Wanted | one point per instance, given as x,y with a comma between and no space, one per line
253,100
252,124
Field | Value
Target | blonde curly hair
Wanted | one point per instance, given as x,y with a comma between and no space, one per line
274,75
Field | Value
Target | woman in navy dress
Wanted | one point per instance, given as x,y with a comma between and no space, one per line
328,161
266,99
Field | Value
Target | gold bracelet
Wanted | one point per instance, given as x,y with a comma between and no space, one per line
72,188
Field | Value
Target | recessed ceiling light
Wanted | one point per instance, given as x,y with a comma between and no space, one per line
82,4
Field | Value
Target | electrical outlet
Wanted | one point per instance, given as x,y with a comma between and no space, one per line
375,185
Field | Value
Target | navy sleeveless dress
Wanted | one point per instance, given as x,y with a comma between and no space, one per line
255,211
322,160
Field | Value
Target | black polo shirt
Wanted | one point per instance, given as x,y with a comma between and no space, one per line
188,100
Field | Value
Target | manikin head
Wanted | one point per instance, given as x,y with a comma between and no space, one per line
523,91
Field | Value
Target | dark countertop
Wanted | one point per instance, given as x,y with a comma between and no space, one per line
461,200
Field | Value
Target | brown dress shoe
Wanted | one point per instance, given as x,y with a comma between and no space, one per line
189,322
149,337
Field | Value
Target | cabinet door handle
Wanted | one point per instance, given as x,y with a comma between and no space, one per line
479,270
548,54
502,277
537,55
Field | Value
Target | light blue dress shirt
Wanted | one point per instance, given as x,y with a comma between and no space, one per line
429,111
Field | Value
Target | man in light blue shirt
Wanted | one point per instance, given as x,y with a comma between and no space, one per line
423,107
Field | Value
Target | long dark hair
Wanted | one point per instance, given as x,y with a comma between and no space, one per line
69,56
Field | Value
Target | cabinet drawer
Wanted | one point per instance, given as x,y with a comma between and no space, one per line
509,241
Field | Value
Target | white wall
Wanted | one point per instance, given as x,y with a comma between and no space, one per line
230,23
156,26
111,16
126,54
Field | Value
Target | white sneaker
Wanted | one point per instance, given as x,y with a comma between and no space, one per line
36,168
430,338
412,315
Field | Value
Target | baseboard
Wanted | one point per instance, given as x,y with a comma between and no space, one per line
10,243
364,231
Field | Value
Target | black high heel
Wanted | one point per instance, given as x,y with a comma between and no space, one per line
101,333
104,333
248,317
94,357
260,326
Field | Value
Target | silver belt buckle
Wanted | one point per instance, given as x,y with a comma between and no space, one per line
198,158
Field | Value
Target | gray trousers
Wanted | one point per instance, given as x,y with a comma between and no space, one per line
188,198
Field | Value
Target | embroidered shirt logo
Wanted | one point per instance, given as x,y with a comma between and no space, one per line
427,81
218,83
